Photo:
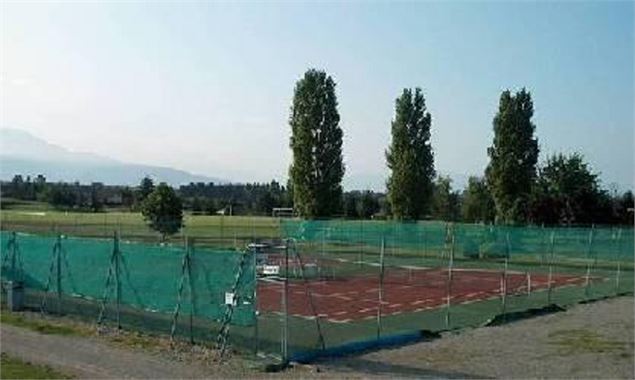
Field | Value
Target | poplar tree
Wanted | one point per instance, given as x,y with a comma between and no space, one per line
513,155
316,142
410,158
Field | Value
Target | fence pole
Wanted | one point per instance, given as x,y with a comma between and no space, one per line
551,257
618,254
188,250
449,280
381,285
58,253
117,279
425,243
285,305
255,300
587,280
542,245
361,242
13,252
179,294
504,278
222,231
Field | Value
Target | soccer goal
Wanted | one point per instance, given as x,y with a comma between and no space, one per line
282,212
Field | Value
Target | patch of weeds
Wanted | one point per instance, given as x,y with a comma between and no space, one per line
580,341
132,340
40,326
12,368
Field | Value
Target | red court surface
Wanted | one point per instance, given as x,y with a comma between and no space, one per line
405,291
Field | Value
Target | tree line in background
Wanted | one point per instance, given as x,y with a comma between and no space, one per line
514,188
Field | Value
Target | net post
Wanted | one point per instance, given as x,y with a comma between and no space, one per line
117,254
380,290
221,229
179,294
255,301
504,274
13,251
449,278
361,242
552,240
309,296
422,233
587,279
542,244
285,306
618,242
58,263
189,243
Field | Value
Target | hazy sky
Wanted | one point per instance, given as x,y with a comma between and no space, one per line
207,87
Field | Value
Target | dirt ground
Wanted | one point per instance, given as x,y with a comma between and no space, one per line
587,341
593,341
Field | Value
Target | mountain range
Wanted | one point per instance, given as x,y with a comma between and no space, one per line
25,154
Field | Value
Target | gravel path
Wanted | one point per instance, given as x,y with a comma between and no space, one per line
588,341
90,358
593,341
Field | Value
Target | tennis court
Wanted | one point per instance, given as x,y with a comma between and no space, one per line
405,290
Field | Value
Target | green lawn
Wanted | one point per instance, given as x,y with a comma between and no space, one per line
40,326
12,368
215,230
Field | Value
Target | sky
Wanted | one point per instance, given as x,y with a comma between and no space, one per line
207,86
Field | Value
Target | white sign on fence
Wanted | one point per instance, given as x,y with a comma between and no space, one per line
271,269
229,299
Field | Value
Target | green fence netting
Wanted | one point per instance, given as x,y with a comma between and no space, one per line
309,288
377,280
153,279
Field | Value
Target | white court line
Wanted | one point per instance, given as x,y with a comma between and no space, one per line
339,320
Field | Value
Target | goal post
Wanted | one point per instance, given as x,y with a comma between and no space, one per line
282,212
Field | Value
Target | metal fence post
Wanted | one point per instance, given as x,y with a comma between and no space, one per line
504,277
361,242
449,279
552,241
255,300
381,285
587,279
189,246
117,279
58,253
618,255
285,306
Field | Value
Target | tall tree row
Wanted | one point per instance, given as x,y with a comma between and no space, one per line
513,156
410,157
316,142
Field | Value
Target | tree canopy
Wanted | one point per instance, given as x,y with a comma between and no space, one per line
145,188
410,157
163,210
477,203
513,156
567,192
316,143
445,201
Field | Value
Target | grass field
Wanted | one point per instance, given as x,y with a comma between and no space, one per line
214,230
12,368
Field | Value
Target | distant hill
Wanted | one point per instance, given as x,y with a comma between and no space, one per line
23,153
